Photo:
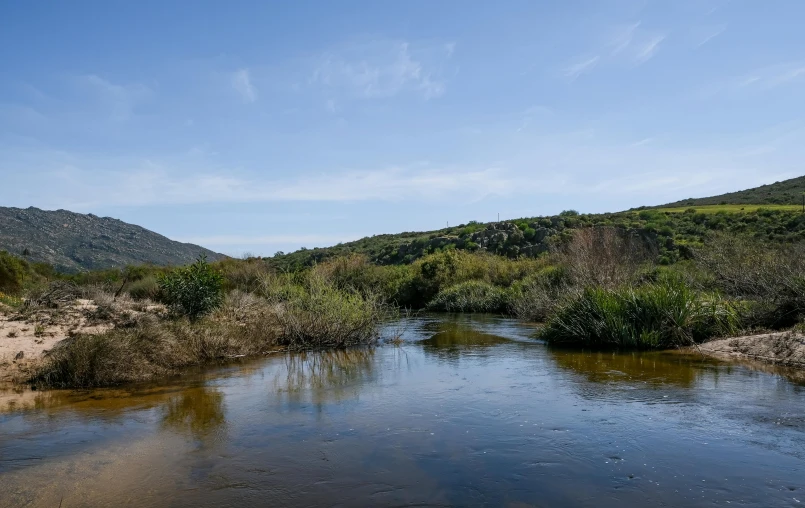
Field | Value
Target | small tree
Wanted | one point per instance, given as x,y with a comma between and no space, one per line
194,290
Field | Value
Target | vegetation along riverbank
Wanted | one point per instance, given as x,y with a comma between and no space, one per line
650,279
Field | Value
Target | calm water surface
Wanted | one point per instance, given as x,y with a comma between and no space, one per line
466,412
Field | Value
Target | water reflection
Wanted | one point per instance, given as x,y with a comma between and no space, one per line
197,412
322,377
618,367
452,339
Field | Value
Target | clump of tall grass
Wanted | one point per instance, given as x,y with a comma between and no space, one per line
311,312
146,288
471,296
654,316
151,346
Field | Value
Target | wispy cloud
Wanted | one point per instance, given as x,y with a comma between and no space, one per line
709,34
760,80
631,43
384,69
648,49
577,69
623,38
774,76
150,183
242,83
119,99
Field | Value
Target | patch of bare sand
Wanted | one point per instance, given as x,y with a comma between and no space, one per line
786,349
27,335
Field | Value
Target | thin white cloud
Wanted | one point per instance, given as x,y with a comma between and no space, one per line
242,84
647,49
383,69
710,34
577,69
450,48
120,100
623,38
150,183
759,80
331,106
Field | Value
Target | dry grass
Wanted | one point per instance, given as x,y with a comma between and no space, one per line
148,344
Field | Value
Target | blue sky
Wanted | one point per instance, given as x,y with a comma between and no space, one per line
265,126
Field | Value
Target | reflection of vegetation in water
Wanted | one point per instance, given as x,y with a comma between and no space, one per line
453,338
197,411
613,367
325,376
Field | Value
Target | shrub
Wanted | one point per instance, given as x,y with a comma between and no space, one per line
192,291
654,316
151,348
13,272
146,288
471,296
314,313
604,257
771,278
538,295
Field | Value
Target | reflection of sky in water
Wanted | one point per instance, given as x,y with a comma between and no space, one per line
465,412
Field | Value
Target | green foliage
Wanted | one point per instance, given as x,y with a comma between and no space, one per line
537,296
788,192
146,288
653,316
13,272
471,296
312,312
192,291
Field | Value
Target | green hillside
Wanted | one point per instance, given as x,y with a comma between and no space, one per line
788,192
770,213
671,231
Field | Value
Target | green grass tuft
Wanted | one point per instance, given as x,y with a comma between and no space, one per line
653,316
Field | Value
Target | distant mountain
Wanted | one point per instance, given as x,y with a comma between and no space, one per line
788,192
74,242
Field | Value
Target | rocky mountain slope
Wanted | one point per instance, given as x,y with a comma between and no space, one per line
74,242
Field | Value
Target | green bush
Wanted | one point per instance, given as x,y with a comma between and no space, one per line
654,316
192,291
146,288
538,295
13,272
311,312
471,296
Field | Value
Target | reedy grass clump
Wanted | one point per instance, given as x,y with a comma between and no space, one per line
294,313
653,316
151,348
311,312
471,296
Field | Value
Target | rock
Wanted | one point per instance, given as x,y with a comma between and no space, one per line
20,355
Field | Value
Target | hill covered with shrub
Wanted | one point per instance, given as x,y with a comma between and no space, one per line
787,192
672,233
73,242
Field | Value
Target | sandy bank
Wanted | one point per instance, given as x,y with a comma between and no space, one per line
787,348
27,335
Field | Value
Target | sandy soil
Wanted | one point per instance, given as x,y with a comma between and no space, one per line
787,349
26,337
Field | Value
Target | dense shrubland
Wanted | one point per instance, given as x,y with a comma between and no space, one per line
596,284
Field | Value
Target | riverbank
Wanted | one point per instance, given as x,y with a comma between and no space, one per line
27,337
786,349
